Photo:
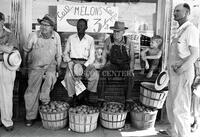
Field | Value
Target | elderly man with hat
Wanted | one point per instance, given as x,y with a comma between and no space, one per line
9,62
118,57
42,58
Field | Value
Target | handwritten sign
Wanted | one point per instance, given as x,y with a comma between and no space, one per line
99,18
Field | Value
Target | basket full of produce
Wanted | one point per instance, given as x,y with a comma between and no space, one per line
83,118
54,115
151,97
142,117
113,115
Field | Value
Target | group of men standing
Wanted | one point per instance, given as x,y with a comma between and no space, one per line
42,56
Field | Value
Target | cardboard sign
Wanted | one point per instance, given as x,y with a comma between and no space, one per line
79,87
99,18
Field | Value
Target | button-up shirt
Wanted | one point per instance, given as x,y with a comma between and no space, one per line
188,37
42,52
81,49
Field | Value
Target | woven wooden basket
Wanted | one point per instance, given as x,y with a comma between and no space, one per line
113,120
150,97
83,123
143,120
54,120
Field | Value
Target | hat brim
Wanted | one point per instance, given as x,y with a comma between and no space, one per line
40,20
117,29
159,85
8,66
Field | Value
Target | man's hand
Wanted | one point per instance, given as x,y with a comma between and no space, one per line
89,70
5,48
70,66
132,72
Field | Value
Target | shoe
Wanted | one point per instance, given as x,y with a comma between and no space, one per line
29,123
164,132
1,125
10,128
194,127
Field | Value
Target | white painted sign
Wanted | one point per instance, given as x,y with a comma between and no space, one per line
100,18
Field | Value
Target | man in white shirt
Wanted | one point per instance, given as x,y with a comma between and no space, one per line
182,54
80,48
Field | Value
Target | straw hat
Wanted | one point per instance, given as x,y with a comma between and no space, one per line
12,60
162,80
78,70
118,26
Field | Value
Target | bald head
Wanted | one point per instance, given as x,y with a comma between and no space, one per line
181,12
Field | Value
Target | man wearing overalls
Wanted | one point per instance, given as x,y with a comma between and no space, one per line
42,57
182,54
118,58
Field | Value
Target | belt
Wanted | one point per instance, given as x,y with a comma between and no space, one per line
78,59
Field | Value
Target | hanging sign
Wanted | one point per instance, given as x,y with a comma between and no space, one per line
99,18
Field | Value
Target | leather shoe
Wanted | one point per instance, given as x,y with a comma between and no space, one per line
29,123
10,128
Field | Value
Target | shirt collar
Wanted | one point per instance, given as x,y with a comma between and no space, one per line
40,34
84,37
183,25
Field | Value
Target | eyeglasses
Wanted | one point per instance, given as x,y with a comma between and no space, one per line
46,25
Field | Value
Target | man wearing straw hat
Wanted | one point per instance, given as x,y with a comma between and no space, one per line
118,58
10,60
42,57
182,54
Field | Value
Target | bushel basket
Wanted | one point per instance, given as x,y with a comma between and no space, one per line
151,97
113,120
143,120
83,122
54,120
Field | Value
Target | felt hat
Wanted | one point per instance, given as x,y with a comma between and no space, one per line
118,26
49,19
162,80
12,60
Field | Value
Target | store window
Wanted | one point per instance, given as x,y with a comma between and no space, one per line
139,16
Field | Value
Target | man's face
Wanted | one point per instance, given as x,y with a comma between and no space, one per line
180,12
45,27
81,26
118,34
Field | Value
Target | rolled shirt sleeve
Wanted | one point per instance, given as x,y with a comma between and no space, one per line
91,57
59,49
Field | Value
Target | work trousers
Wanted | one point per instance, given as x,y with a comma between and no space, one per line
7,79
40,83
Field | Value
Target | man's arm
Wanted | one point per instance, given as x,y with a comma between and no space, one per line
66,53
10,44
59,51
132,56
91,58
105,51
157,56
189,61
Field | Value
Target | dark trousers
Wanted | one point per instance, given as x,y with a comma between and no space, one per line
110,73
153,63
